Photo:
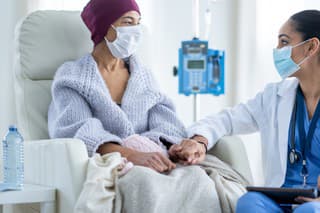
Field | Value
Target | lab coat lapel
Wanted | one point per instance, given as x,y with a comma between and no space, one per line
286,98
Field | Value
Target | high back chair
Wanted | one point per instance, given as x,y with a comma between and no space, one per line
44,41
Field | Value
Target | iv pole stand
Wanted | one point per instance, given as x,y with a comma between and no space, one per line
196,100
196,107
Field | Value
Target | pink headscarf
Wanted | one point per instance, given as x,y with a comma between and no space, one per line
98,15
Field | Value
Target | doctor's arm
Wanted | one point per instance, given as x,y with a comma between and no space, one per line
241,119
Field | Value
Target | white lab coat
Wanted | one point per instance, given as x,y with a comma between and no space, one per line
269,113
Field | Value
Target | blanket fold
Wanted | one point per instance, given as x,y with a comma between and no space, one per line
212,186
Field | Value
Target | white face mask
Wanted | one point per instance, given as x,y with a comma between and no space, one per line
127,41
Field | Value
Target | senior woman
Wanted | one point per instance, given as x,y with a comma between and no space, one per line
108,97
286,114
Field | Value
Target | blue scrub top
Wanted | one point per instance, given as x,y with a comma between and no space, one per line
293,177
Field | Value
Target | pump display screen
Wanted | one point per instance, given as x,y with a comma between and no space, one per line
195,64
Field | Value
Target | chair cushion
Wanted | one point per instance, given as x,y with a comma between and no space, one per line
46,39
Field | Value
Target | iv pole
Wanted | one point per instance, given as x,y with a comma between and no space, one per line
196,32
196,100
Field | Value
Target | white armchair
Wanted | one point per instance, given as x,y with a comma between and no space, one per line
44,40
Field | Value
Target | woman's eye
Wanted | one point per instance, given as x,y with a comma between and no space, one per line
127,22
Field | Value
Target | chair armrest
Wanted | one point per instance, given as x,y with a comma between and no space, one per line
231,150
60,163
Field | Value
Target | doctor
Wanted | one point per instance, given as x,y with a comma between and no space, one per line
286,114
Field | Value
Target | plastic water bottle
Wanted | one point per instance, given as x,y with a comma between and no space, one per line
13,158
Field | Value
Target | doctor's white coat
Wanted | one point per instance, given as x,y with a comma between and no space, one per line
269,113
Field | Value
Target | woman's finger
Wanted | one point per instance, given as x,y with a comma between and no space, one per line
156,165
159,160
166,161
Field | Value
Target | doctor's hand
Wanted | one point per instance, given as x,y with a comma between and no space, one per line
188,152
306,199
153,160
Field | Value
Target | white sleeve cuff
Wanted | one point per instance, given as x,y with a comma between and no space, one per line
210,136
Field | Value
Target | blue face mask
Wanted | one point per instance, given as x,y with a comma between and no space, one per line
283,61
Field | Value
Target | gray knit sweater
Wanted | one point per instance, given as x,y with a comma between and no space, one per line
82,107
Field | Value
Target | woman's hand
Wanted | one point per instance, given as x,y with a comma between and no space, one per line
306,199
153,160
188,152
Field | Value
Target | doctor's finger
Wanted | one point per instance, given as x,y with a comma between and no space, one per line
184,162
304,199
189,156
186,153
199,157
194,161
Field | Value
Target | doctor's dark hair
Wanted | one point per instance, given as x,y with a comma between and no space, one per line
307,23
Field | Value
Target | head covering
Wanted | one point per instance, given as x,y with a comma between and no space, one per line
98,15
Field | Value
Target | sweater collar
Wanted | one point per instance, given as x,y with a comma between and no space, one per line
137,84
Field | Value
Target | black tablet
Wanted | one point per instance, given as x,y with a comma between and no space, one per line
285,195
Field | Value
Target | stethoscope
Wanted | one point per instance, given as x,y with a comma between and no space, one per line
293,155
305,140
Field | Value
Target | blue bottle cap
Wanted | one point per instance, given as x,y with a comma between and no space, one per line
12,128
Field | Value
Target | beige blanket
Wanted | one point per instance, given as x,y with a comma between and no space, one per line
229,184
211,187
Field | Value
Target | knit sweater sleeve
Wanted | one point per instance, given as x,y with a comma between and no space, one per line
70,116
164,124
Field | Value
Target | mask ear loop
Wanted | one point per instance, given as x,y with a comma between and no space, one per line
301,43
115,29
303,60
306,58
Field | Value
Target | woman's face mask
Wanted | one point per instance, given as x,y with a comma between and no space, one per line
283,61
127,41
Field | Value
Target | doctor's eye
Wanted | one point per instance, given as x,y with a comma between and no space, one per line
284,42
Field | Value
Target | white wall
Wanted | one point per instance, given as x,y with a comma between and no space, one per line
172,24
10,12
